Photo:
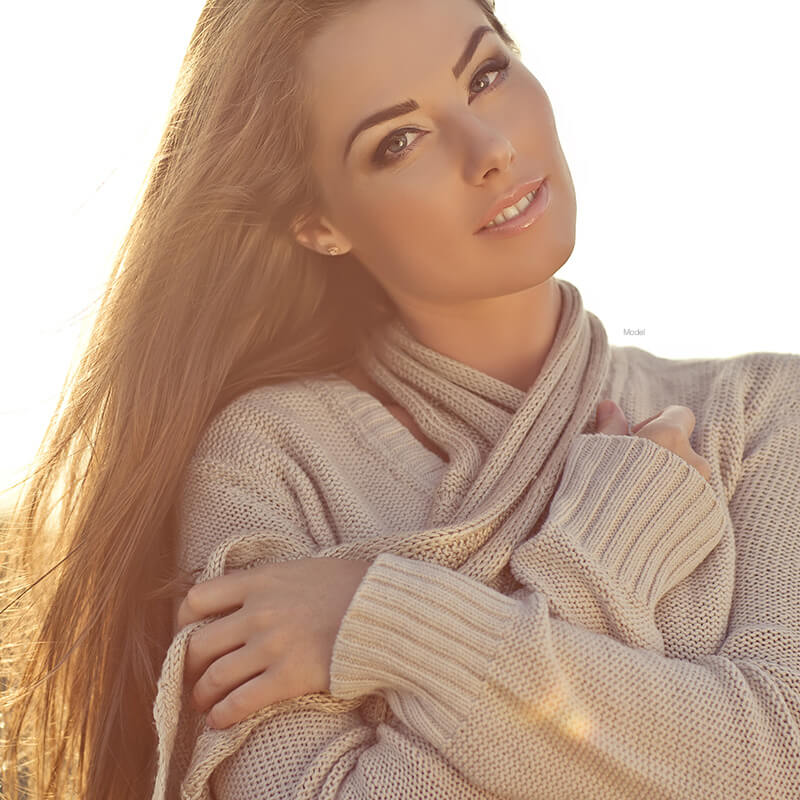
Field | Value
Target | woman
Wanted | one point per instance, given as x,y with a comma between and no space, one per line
364,427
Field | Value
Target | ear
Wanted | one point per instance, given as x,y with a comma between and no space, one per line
318,234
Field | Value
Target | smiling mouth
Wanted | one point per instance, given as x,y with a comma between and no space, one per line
531,210
513,211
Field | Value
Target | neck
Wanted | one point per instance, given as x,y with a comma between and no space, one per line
508,340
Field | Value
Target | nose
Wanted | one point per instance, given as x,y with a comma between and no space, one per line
489,149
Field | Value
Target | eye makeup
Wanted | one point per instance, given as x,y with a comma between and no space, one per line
500,64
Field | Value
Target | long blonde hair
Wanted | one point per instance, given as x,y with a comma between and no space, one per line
209,296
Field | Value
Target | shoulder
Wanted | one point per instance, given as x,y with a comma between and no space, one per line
769,390
277,416
646,383
252,470
736,400
755,375
769,374
642,362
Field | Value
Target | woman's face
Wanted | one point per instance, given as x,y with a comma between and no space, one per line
409,193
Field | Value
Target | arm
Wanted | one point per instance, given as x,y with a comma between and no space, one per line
516,694
236,509
629,521
311,755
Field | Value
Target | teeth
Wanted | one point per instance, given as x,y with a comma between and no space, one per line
513,211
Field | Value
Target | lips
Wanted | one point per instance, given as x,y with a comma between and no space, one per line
511,199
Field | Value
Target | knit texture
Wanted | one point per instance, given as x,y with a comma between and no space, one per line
552,613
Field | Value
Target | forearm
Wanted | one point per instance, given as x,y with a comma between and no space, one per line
516,699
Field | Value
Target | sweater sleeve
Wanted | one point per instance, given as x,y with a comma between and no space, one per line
629,521
525,701
238,484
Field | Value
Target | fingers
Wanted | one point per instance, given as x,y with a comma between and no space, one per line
254,692
635,428
239,704
212,641
702,466
216,596
610,418
672,428
226,674
680,416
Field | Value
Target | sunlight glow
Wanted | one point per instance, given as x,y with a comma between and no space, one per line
676,123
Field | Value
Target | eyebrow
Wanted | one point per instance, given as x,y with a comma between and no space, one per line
408,106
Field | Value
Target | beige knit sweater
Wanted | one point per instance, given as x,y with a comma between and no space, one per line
554,613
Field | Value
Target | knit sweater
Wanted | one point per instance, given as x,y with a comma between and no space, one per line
553,613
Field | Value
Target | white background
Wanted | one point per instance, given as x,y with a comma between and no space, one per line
679,121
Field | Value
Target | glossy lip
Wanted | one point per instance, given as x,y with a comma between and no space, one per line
524,220
509,200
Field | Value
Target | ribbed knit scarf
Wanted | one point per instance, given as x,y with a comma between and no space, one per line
507,450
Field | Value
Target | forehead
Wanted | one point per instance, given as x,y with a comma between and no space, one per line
381,53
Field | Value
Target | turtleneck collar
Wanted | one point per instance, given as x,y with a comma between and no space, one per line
484,424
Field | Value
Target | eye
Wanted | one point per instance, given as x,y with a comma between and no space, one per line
499,65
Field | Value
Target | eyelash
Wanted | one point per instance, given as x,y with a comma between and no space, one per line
500,64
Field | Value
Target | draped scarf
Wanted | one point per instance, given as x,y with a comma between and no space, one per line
507,450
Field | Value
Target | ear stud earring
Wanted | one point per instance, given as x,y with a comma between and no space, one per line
333,250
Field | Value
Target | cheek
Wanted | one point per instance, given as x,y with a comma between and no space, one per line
413,248
528,110
411,221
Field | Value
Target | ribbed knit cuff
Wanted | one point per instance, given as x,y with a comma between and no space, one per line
636,511
424,631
